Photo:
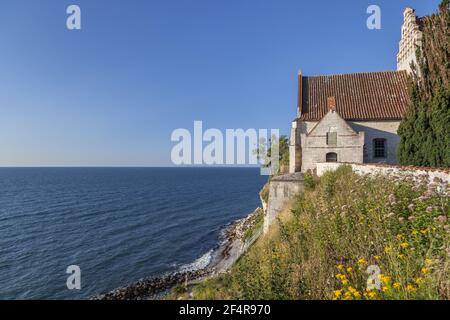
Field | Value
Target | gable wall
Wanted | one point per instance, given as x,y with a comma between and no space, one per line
349,146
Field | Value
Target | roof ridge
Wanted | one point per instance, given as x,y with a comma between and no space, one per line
354,73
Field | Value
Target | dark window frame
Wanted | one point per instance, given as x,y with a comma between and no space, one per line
335,139
327,157
379,151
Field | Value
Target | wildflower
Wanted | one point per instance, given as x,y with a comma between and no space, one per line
338,293
385,289
385,279
344,282
377,258
410,288
341,276
425,270
399,237
401,255
388,249
414,232
428,262
356,294
411,207
390,214
404,245
442,219
424,231
392,197
340,267
419,280
348,296
362,261
349,269
396,285
372,294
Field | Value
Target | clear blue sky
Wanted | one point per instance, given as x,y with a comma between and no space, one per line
112,93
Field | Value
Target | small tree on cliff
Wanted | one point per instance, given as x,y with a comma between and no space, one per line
425,130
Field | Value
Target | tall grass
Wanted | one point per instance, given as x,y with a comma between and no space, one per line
323,246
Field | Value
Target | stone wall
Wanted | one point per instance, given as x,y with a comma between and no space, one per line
282,191
431,174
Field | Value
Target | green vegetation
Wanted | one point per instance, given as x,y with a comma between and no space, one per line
255,224
344,223
425,131
283,150
264,193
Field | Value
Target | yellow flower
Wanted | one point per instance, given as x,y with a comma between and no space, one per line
428,262
404,245
362,261
349,269
424,231
344,282
401,255
341,276
411,288
351,290
348,296
399,237
340,267
415,232
425,270
372,294
377,258
385,279
388,249
385,289
338,293
396,285
356,294
419,280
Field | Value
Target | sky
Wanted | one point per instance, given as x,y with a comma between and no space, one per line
112,93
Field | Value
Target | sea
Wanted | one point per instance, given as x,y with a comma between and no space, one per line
116,225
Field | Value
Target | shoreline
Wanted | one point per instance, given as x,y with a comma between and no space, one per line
231,246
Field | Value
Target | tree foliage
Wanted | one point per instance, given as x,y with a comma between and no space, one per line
425,130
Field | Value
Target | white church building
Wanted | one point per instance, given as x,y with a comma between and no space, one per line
353,117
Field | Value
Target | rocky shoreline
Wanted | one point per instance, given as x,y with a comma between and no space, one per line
222,258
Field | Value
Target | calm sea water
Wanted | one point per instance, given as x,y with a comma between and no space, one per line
117,224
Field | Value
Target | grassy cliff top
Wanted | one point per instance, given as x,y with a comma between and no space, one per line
344,232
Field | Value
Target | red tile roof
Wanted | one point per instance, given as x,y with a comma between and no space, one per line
359,96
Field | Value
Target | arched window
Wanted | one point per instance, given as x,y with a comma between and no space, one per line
331,157
379,148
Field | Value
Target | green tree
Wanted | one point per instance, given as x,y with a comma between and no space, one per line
283,150
425,130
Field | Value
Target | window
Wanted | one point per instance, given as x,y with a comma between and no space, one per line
331,157
331,138
379,148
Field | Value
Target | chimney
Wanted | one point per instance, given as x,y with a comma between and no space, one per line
300,94
331,102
